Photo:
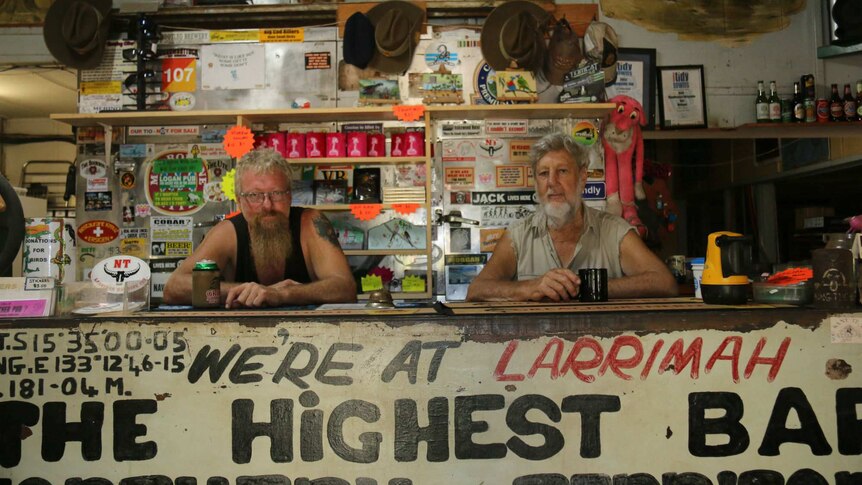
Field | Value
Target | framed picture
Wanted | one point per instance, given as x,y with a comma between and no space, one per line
330,191
682,96
636,79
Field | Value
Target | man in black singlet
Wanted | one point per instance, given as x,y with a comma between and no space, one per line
270,254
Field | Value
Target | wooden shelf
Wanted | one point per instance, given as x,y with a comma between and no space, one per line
762,130
830,51
328,115
355,160
385,252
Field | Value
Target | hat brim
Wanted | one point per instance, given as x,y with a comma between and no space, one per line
62,52
400,63
489,38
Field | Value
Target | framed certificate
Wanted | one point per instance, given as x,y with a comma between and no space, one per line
636,79
683,97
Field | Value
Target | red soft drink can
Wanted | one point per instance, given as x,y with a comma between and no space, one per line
822,107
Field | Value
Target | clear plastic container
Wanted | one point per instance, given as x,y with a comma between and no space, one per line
798,294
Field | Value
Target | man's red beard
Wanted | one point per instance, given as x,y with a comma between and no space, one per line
271,240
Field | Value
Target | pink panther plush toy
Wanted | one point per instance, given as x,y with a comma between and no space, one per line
624,143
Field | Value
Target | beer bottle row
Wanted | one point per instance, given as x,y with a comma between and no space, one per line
804,108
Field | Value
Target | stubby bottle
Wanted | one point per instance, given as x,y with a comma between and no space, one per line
775,104
761,104
836,105
798,104
849,105
859,100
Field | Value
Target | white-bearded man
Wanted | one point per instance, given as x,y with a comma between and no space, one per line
271,254
538,257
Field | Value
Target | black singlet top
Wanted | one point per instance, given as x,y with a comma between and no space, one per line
294,267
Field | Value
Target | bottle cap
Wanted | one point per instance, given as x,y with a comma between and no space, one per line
206,265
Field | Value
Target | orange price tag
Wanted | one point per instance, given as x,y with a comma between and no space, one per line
405,208
238,141
410,112
365,212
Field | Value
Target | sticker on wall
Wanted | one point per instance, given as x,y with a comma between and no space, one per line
459,240
511,176
175,185
214,193
503,215
459,176
506,127
179,75
97,201
318,60
127,180
98,232
460,128
459,151
182,102
491,147
519,150
594,191
485,85
133,241
486,180
93,169
185,130
161,272
142,210
132,271
504,198
233,66
585,133
99,184
459,197
133,150
439,54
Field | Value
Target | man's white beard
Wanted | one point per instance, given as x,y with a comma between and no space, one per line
558,214
271,240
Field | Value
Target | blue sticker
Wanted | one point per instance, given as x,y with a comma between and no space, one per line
138,150
594,191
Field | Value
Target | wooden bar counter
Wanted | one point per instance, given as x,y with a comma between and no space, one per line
630,392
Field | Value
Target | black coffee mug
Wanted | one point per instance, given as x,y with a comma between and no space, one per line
594,284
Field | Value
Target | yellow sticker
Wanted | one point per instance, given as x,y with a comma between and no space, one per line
282,35
134,246
413,283
234,36
371,283
101,87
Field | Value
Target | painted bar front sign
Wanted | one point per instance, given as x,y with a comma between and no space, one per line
368,403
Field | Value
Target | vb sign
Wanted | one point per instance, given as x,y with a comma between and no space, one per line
178,75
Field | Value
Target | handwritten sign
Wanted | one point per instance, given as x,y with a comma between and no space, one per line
412,112
405,208
365,212
371,282
413,283
238,141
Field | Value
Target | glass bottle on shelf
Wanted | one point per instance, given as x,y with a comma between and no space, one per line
761,104
859,100
836,105
775,104
798,104
849,104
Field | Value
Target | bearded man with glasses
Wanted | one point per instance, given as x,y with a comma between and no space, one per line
271,254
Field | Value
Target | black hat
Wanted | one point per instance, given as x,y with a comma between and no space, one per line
564,52
396,29
75,31
514,31
358,40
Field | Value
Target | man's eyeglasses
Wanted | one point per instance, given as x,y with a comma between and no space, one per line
257,198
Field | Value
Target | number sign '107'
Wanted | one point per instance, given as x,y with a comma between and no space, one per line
178,75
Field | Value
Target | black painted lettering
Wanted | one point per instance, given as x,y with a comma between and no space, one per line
321,481
440,348
211,361
699,426
279,430
242,371
591,407
847,478
760,477
147,480
310,428
295,375
849,423
591,479
685,479
465,427
262,480
806,476
185,481
636,479
408,433
407,361
541,479
89,481
328,364
14,417
516,419
777,432
127,430
56,431
726,478
34,481
370,441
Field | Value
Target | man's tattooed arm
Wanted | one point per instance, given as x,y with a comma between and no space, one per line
325,230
